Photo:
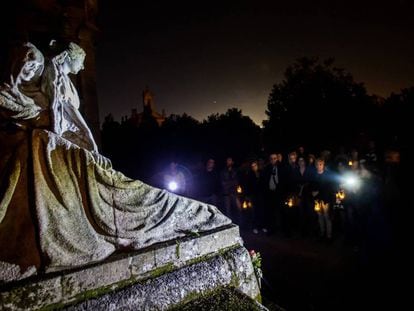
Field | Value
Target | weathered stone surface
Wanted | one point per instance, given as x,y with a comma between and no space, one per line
243,272
168,254
12,272
142,263
83,208
126,269
226,298
209,243
80,211
32,296
179,286
95,277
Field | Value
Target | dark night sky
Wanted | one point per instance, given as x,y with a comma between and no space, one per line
203,58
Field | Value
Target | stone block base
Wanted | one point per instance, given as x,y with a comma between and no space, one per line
158,278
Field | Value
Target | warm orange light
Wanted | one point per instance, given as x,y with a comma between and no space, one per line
245,204
289,202
239,189
249,204
340,195
317,206
350,163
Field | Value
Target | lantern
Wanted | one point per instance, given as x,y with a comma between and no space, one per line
247,204
289,202
340,195
239,190
317,207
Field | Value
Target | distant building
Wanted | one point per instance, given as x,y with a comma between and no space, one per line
149,117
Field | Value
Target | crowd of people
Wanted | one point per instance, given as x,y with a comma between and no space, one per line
324,195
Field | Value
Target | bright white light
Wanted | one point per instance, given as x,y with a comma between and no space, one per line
352,181
172,185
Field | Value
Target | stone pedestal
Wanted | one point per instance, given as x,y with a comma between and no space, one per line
163,276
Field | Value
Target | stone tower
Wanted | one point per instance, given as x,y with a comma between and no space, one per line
148,99
149,111
40,21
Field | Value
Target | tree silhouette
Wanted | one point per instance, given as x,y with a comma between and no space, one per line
180,135
396,118
232,133
316,102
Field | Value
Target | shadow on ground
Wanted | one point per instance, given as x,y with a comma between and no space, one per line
308,274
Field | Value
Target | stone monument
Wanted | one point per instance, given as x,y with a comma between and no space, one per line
75,233
68,20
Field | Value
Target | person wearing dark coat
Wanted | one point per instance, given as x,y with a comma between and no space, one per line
208,184
254,194
322,193
274,181
303,177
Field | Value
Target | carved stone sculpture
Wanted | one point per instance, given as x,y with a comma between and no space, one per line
26,67
64,100
61,203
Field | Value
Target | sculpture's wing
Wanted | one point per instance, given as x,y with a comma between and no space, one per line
20,106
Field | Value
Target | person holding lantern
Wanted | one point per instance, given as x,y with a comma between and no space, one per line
254,195
322,193
303,177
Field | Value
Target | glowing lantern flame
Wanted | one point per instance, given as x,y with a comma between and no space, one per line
239,189
350,163
289,202
245,204
249,204
317,206
340,195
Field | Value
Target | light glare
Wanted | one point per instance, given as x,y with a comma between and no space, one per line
172,185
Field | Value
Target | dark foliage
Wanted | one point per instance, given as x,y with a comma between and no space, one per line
142,151
317,102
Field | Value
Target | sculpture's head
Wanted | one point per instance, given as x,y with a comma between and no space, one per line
71,58
27,64
76,57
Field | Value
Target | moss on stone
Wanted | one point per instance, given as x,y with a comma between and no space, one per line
235,280
208,256
194,234
225,251
198,259
161,270
258,298
177,249
36,294
90,294
94,293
